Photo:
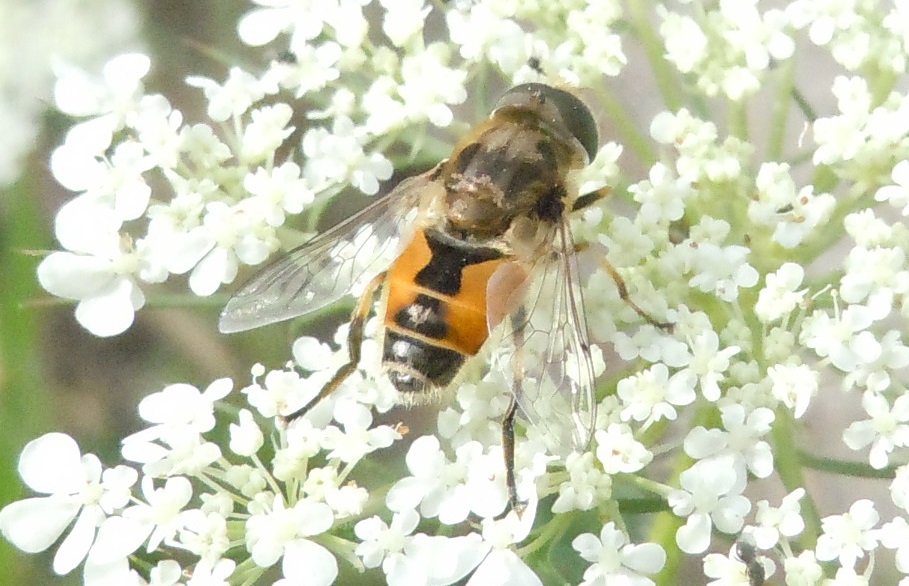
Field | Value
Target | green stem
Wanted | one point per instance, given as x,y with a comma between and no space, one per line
647,485
880,84
342,547
552,530
845,467
249,571
802,102
738,120
663,532
272,483
789,466
642,506
779,114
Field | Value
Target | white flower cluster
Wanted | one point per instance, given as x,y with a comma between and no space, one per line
194,497
572,40
857,34
729,244
34,33
728,50
853,330
866,136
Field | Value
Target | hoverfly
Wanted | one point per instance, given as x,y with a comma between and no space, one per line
480,243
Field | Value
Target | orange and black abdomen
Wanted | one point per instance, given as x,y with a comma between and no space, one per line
436,310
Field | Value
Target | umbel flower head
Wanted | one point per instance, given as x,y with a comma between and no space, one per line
778,259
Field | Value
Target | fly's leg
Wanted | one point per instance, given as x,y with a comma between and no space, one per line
519,321
623,292
623,295
508,454
354,343
587,200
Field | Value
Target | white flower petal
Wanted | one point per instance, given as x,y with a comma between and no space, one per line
701,442
245,438
117,538
406,494
76,545
123,72
184,251
137,449
259,27
311,354
694,536
35,524
74,92
317,517
94,136
74,167
74,276
588,546
109,314
131,199
211,271
645,558
116,573
503,568
760,460
447,560
400,570
218,389
86,225
174,404
310,563
52,464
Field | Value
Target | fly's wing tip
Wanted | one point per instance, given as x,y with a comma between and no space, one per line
241,314
232,324
228,324
236,317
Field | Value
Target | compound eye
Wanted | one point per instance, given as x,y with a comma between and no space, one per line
557,107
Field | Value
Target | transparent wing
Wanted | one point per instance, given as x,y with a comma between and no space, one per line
545,353
335,263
